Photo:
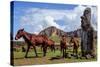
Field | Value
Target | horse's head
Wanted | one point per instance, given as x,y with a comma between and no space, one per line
19,34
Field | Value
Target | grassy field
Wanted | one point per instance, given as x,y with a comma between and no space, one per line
50,58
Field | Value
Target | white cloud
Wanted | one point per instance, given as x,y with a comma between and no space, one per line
50,21
36,19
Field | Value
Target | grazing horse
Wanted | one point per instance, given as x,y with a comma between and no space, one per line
50,43
32,40
63,45
75,45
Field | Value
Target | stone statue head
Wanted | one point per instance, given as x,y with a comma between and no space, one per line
87,11
86,19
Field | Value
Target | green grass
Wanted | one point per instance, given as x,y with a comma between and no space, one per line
20,60
32,60
32,54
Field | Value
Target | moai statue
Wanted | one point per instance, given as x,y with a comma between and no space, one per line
87,33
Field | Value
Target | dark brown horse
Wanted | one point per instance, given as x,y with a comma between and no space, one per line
32,40
75,45
51,44
63,45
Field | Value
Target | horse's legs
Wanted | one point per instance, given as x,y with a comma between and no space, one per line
73,51
51,47
27,51
44,50
54,48
41,47
35,51
61,49
63,53
76,51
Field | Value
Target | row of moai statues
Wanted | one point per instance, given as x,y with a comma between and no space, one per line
87,47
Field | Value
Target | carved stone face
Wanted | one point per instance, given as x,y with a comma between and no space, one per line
85,19
87,14
84,23
87,11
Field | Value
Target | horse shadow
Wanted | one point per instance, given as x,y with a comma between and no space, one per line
55,58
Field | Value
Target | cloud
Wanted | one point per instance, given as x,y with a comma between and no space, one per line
49,21
35,19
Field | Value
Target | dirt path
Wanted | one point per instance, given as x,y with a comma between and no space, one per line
47,60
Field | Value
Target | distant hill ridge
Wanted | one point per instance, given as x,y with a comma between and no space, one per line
52,30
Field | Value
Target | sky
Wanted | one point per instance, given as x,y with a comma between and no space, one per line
34,17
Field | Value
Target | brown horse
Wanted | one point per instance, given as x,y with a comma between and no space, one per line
63,45
50,43
75,45
32,40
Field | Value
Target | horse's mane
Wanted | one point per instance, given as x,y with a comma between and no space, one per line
29,33
32,34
